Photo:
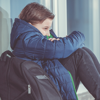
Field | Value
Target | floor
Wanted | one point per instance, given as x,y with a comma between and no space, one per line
83,93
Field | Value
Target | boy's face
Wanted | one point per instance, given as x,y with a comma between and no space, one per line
44,27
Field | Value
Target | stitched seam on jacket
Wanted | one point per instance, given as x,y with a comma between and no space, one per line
37,44
53,34
54,51
24,43
45,48
61,74
63,83
56,67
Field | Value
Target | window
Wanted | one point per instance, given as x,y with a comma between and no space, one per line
84,16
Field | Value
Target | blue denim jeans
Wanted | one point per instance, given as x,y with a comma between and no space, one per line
84,67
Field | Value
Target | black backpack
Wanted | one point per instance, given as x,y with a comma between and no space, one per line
24,80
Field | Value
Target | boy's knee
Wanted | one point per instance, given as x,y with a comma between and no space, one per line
80,51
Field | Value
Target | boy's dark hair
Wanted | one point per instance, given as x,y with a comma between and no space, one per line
34,13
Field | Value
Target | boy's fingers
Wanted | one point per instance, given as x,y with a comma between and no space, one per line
52,39
58,39
49,38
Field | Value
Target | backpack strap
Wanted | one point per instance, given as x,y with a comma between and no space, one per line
4,55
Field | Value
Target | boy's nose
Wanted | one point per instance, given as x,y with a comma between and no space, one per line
48,33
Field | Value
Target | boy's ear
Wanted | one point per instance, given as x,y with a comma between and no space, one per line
29,23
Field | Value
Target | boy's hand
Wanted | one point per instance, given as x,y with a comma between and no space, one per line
52,39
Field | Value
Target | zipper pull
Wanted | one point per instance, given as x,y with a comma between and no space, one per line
29,89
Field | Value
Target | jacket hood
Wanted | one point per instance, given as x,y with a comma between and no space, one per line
20,27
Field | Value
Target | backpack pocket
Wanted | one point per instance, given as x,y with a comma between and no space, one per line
26,95
42,87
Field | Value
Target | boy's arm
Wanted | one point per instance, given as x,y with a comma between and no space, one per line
38,47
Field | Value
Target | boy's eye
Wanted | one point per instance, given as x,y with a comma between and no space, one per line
45,28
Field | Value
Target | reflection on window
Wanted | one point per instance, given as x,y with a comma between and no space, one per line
83,16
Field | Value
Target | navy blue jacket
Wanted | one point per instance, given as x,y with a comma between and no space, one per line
28,43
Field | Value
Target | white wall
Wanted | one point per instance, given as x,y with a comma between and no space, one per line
5,25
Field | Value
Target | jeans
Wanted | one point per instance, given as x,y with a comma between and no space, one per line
84,67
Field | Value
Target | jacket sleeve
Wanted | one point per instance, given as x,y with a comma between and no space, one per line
38,47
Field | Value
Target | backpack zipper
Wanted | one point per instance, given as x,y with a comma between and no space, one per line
29,89
8,71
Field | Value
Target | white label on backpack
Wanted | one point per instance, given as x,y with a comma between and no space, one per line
29,89
42,77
